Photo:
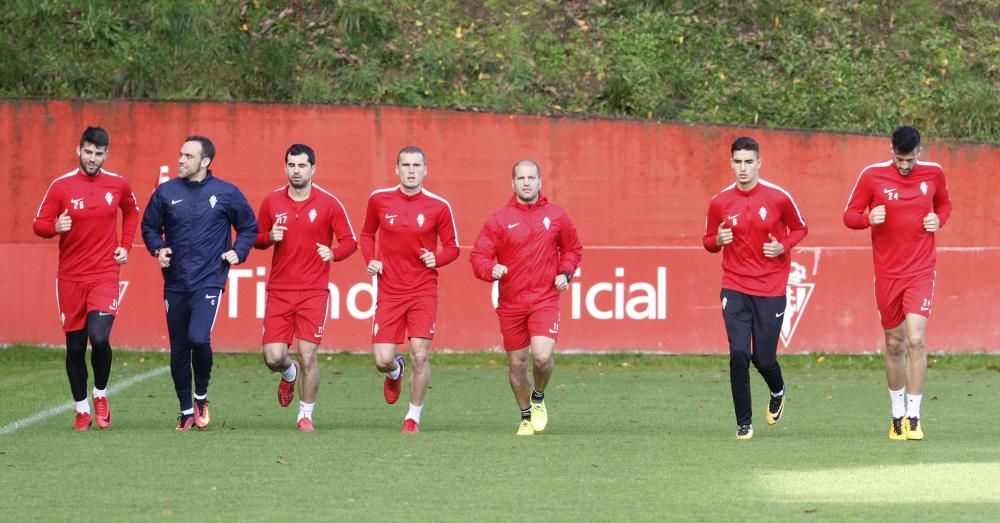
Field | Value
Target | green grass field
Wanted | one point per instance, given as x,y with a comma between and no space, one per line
630,438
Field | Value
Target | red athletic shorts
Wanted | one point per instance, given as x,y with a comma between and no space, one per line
895,298
295,314
77,298
518,328
395,319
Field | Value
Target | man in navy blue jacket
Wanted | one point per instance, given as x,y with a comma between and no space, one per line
188,227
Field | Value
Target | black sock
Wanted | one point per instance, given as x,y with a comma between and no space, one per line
99,332
537,396
526,413
76,363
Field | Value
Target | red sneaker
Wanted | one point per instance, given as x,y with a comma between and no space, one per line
82,421
305,425
185,422
103,412
410,426
202,416
286,389
391,387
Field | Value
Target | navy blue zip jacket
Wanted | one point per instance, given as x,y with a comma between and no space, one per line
195,219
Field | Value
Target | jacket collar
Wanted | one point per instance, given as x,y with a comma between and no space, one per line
516,203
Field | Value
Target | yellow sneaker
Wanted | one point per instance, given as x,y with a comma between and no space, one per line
775,406
912,429
744,432
539,416
525,428
896,429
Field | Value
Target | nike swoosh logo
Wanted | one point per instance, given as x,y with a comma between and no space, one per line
734,216
779,314
207,297
102,313
175,202
390,216
887,191
554,331
512,225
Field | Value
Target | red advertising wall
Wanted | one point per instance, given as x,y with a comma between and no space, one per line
638,192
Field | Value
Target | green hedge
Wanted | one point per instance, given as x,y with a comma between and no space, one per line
849,66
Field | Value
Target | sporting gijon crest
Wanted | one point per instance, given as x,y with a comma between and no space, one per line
798,290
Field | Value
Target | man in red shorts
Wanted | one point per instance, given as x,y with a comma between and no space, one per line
904,201
300,220
531,248
82,208
409,222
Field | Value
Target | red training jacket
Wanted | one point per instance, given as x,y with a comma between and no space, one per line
752,215
901,248
317,219
535,242
406,225
87,250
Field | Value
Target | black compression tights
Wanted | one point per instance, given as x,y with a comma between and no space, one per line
99,331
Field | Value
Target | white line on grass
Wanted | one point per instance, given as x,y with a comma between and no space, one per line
45,414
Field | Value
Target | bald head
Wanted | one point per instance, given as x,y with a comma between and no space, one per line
526,178
525,164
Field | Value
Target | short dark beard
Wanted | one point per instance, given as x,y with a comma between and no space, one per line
84,169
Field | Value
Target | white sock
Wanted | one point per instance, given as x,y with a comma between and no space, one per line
395,374
83,406
290,373
913,405
898,399
305,410
414,413
778,394
200,398
98,393
188,412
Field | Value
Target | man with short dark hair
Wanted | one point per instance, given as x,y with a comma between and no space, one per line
755,224
905,202
300,219
188,228
530,246
82,208
409,221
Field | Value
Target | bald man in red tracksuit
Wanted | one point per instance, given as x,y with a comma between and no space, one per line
531,247
905,202
756,224
409,221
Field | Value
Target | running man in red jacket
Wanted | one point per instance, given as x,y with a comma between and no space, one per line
409,221
755,224
531,248
82,208
300,220
906,202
